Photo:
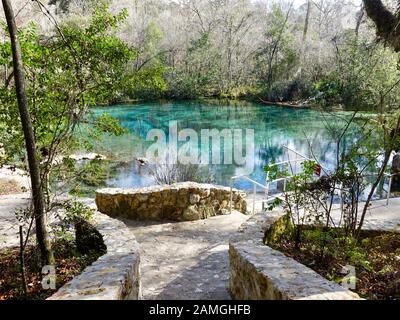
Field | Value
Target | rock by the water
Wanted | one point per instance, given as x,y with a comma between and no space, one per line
142,161
87,156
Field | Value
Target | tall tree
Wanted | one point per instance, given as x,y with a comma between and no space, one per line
304,38
30,144
276,48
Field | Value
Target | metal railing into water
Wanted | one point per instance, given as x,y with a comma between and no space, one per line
255,184
299,158
266,187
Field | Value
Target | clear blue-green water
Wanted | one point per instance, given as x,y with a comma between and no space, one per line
273,128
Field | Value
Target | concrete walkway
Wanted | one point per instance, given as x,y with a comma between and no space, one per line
382,217
186,260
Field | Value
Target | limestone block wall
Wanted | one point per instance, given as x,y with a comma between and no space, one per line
115,275
260,273
185,201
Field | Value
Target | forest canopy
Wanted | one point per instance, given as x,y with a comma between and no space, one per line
321,52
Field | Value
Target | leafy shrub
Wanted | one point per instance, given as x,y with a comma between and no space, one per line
147,84
75,209
71,211
88,239
365,76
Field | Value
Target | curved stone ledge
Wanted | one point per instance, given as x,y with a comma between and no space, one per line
186,201
260,273
115,275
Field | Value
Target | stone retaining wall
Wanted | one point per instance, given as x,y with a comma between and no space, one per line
115,275
185,201
260,273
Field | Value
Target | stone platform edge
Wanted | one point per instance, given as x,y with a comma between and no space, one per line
258,272
185,201
115,275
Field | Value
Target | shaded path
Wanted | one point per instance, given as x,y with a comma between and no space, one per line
9,225
186,260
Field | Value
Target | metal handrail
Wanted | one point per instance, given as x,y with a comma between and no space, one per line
287,161
385,175
303,156
294,151
255,184
267,186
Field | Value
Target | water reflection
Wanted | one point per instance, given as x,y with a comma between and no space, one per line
273,127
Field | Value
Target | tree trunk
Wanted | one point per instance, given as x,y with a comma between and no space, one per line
360,17
34,169
386,22
304,39
275,47
381,173
371,194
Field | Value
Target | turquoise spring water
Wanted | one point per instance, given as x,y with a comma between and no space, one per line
273,128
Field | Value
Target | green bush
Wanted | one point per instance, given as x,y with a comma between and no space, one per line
365,77
146,84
